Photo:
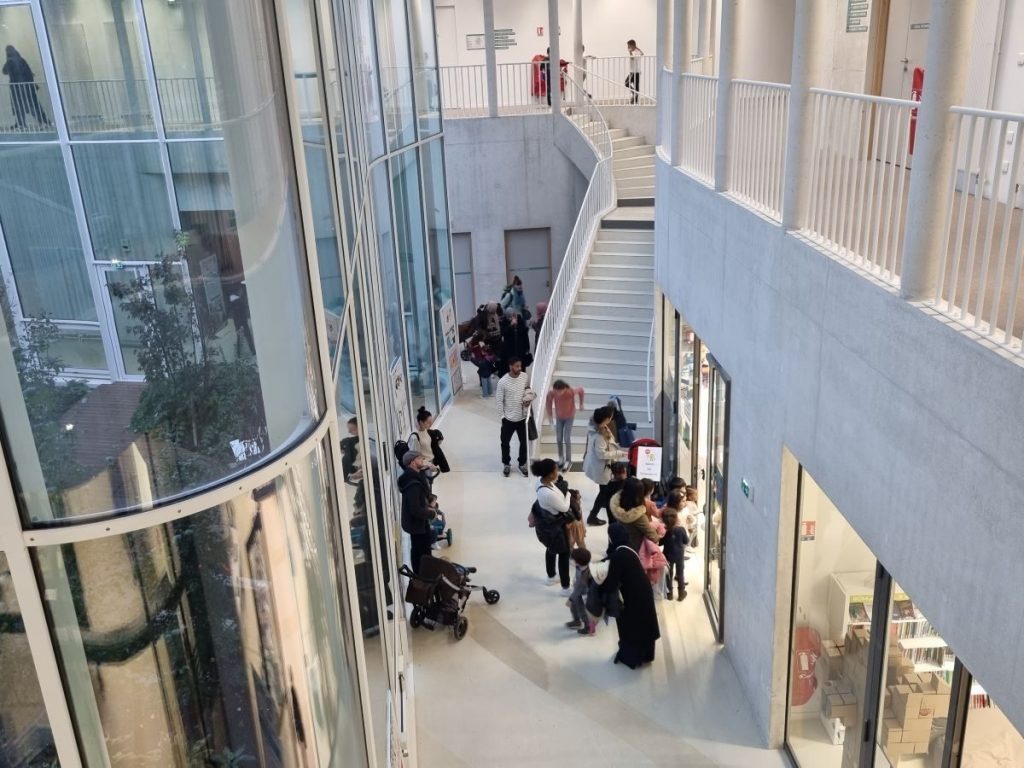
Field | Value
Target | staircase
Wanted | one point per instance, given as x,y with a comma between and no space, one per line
606,342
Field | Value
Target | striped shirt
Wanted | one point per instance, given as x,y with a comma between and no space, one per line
509,396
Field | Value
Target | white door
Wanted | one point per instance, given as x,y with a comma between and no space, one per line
905,47
528,254
462,256
447,36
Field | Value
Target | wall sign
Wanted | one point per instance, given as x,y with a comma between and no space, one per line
540,31
450,332
475,42
808,530
857,12
504,39
648,463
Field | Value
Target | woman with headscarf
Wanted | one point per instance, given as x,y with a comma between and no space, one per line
637,621
23,88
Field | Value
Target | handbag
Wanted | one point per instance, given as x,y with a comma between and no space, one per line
531,427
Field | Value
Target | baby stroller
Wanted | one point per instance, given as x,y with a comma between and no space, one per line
439,593
625,431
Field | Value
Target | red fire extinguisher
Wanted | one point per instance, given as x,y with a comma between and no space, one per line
916,87
806,650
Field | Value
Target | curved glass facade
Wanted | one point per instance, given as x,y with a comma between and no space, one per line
211,216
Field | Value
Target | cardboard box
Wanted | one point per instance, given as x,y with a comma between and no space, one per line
916,730
908,703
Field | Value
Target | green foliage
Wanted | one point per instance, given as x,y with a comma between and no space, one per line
195,401
47,398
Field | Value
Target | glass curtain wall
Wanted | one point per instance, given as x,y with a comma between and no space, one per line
439,252
717,492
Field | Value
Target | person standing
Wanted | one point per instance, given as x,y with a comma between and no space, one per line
674,544
561,410
633,78
419,507
556,507
513,298
637,622
629,509
350,453
23,88
514,396
428,441
601,451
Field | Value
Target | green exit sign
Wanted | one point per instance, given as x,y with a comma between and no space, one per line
747,489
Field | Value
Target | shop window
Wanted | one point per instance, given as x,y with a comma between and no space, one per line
834,585
717,483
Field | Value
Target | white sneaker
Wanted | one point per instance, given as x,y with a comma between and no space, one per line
566,591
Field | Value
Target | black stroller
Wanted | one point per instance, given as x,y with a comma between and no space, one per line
439,593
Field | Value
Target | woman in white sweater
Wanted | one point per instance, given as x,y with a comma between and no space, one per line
556,506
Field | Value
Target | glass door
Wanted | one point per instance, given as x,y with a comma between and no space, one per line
117,281
716,493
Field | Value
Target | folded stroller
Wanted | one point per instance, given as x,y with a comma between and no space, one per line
439,593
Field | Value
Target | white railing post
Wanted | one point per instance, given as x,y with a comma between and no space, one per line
723,109
796,186
554,59
660,55
491,59
949,40
680,60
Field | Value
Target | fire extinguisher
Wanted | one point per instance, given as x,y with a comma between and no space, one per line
806,650
916,87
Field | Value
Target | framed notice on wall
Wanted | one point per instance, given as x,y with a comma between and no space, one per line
475,42
450,332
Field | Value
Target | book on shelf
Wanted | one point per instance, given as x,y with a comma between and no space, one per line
903,609
859,613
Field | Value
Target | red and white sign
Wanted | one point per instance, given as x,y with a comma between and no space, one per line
540,31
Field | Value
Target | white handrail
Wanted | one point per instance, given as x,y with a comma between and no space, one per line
698,109
760,115
608,92
599,200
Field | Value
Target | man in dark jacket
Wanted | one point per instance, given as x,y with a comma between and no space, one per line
419,507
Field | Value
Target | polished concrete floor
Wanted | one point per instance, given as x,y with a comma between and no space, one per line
521,689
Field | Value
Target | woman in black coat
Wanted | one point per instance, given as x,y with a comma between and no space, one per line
638,621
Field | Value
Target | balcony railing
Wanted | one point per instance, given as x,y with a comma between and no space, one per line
760,118
697,113
464,91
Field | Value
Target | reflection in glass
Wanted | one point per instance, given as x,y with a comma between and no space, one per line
381,190
361,462
990,739
25,111
916,694
95,46
180,40
395,72
25,737
424,52
42,235
412,262
365,79
217,639
439,251
126,205
835,576
717,486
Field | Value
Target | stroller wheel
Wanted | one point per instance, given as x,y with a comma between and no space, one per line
416,617
461,628
448,536
491,596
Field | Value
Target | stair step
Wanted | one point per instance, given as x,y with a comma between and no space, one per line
643,160
637,235
628,222
611,245
624,142
641,150
588,349
612,366
609,325
610,377
627,281
645,169
630,298
615,309
615,271
635,181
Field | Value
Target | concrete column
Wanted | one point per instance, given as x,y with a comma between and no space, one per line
492,63
662,24
796,183
949,41
723,109
554,70
680,61
577,36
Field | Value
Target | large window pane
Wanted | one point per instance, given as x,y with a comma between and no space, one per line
25,737
412,264
990,739
42,235
366,83
188,85
217,639
102,78
395,72
832,620
381,188
439,250
218,334
126,205
424,51
25,111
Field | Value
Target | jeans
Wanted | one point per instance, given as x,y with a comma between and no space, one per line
486,386
602,501
563,436
578,609
675,571
633,83
508,428
563,566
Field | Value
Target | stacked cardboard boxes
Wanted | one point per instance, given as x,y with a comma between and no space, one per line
831,660
913,703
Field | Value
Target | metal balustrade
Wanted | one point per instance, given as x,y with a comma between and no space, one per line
464,91
860,178
698,110
760,114
522,88
980,281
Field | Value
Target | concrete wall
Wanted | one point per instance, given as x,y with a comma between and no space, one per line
513,173
607,24
909,426
764,36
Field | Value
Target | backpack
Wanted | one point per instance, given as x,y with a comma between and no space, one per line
401,448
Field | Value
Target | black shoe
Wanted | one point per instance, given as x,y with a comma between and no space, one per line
668,595
506,470
523,471
682,596
595,521
573,624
